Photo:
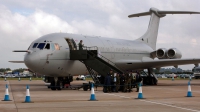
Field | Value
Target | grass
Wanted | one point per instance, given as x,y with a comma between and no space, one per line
174,79
21,78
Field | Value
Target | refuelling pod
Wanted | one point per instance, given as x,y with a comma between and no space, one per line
174,53
161,53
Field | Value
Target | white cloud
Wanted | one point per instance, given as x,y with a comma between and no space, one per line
18,31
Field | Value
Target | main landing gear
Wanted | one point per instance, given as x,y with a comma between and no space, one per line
55,83
150,78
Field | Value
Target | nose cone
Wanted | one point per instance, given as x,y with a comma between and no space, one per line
32,61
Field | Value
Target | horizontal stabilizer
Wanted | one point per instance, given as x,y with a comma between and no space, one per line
160,13
16,61
139,14
178,12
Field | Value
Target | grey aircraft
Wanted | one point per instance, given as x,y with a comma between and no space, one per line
57,55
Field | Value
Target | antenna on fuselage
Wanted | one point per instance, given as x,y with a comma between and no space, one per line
150,37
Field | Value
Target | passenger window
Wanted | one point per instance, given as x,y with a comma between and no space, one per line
52,46
35,45
41,45
47,46
57,47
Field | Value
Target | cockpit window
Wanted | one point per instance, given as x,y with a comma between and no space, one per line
52,46
41,45
35,45
47,46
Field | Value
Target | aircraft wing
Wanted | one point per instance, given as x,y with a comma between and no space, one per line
143,64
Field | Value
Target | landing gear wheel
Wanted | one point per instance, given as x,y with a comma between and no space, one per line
59,85
85,86
53,85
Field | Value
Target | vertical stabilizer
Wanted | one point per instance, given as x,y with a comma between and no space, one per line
150,37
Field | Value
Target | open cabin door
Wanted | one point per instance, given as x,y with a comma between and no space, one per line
71,43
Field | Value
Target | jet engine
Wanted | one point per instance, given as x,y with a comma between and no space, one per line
174,53
161,53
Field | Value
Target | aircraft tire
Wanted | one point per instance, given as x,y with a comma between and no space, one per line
53,85
58,85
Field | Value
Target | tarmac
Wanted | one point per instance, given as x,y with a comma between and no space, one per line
167,96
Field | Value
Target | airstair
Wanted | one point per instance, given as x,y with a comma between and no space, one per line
95,63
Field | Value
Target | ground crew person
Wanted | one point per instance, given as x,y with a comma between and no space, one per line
128,83
138,80
122,81
114,83
112,79
107,83
117,82
80,45
133,81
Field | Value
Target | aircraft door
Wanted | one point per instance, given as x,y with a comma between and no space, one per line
71,43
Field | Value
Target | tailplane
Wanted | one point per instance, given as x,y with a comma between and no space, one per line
150,37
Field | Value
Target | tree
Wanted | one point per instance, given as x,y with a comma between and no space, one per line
2,69
8,69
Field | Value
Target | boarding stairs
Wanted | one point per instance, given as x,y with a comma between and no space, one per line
94,62
93,74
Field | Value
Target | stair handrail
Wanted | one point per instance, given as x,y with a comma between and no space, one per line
89,48
109,61
101,56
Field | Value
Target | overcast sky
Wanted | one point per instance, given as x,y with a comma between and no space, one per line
22,21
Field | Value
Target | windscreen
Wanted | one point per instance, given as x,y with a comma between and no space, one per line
35,45
41,45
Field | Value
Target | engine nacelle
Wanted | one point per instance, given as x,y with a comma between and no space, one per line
161,53
174,53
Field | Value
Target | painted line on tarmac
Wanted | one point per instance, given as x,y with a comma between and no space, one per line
175,89
116,95
8,82
164,104
170,105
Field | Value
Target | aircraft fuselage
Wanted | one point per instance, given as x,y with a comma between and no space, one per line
53,61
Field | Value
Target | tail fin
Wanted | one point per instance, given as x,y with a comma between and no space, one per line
150,37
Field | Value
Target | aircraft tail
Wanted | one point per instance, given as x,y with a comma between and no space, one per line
150,37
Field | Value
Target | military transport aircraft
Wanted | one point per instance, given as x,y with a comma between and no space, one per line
56,55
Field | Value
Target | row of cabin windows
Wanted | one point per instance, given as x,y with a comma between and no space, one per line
53,46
